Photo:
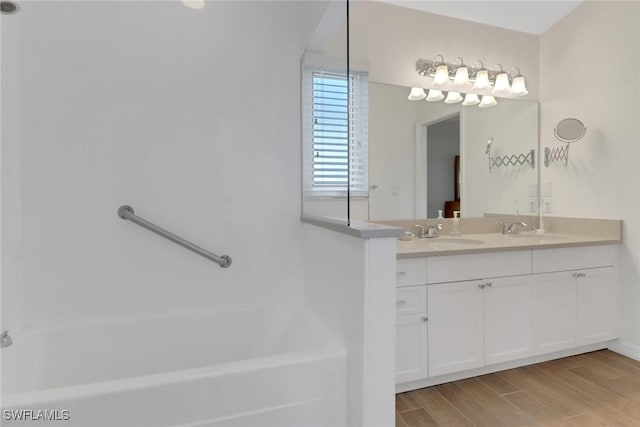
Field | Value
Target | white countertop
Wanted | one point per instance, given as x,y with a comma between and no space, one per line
491,242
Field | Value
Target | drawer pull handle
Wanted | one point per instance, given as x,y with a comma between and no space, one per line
582,275
425,319
401,302
402,273
481,285
489,284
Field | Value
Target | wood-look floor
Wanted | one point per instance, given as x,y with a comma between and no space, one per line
601,388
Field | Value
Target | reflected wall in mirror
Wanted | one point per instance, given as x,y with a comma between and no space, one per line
413,147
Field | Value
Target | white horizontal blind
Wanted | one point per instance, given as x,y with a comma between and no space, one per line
337,109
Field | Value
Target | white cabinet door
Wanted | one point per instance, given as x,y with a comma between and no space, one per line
508,314
411,347
455,327
597,301
554,311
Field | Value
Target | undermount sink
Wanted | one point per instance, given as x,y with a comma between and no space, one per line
450,242
536,238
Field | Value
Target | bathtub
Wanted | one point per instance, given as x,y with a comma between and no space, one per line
268,366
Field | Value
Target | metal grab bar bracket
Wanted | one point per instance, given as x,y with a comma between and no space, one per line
127,213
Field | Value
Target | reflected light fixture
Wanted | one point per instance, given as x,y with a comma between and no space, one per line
416,94
488,101
435,95
471,99
194,4
453,98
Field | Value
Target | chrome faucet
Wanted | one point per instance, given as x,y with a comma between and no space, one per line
511,228
5,339
428,231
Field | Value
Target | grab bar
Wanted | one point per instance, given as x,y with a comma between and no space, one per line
127,213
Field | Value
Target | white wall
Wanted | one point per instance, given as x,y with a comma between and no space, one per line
192,117
589,66
350,284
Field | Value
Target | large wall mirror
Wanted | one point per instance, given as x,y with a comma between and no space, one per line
430,156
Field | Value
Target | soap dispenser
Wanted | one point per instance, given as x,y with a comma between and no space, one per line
455,224
440,214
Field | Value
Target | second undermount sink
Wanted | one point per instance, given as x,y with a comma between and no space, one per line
450,242
536,238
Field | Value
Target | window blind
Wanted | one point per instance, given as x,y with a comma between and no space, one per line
336,114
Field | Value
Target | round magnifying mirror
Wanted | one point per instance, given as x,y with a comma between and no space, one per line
569,130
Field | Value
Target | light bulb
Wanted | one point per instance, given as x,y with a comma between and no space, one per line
453,98
416,94
471,99
435,95
482,79
194,4
502,84
488,101
442,75
462,77
518,87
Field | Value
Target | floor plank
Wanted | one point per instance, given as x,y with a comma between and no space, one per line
601,388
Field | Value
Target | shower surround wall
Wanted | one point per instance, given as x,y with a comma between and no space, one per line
187,115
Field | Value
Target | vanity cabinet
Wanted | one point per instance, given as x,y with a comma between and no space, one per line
490,319
455,327
575,308
454,316
411,333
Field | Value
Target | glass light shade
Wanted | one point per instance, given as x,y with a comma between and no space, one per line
462,77
416,94
482,79
435,95
194,4
442,75
502,84
518,87
453,98
471,99
488,101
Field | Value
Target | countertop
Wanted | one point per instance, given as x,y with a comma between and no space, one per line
493,242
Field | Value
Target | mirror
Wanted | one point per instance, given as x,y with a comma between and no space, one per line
570,130
431,156
325,121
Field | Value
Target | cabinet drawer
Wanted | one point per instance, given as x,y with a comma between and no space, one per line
411,300
561,259
456,268
410,272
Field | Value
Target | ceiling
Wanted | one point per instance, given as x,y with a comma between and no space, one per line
534,17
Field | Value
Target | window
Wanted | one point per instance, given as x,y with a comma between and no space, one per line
336,111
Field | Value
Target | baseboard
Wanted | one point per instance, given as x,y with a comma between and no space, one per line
625,349
428,382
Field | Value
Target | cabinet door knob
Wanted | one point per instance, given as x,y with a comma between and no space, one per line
575,275
583,275
425,319
489,284
401,302
402,273
481,285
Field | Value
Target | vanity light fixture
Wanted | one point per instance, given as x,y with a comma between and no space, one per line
471,99
518,87
435,95
417,94
488,101
453,98
460,78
